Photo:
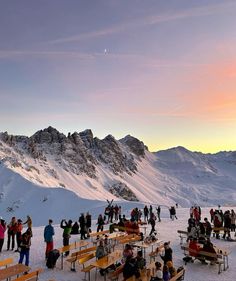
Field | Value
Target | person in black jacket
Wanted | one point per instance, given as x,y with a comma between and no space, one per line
82,227
168,253
130,268
88,223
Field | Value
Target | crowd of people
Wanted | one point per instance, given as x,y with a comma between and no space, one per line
199,233
16,240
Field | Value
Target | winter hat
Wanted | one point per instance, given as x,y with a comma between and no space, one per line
159,274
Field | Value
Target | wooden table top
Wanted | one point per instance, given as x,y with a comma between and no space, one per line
108,260
142,244
13,270
81,243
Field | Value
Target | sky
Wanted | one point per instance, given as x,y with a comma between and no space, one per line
162,71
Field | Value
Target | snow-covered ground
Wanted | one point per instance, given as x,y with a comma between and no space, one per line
167,231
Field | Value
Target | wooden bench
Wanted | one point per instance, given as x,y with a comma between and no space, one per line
114,275
88,268
32,276
178,275
203,255
182,234
6,262
129,239
69,247
79,255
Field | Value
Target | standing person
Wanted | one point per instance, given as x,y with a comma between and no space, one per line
168,253
227,224
25,247
29,224
116,210
173,213
233,218
158,213
48,237
212,214
145,212
82,227
150,210
208,228
12,229
3,228
67,226
100,223
18,234
152,221
88,224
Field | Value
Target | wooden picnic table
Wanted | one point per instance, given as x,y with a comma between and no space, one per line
13,270
107,261
144,245
144,226
72,246
94,234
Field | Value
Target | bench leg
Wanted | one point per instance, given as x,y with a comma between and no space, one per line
227,262
61,260
219,271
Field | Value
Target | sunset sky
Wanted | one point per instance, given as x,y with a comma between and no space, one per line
162,71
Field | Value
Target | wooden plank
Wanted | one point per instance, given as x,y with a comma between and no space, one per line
6,262
179,274
13,270
30,276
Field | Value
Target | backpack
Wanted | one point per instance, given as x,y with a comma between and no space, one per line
52,258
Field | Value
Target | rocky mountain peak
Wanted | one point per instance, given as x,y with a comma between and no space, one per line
48,135
87,138
135,145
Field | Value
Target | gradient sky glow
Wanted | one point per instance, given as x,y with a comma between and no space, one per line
162,71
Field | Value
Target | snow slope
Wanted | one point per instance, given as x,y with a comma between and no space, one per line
87,170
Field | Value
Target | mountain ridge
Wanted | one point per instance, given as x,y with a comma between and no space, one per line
119,169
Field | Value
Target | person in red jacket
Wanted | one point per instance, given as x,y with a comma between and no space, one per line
194,248
12,229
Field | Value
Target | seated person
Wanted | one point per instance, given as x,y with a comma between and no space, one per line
128,251
141,262
130,268
158,274
172,270
131,227
194,248
107,245
209,248
101,252
166,273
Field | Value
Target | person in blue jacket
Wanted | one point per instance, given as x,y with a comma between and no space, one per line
48,237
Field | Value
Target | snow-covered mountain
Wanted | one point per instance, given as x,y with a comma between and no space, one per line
36,168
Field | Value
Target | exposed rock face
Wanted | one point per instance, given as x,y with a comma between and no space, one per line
121,190
78,153
49,135
135,145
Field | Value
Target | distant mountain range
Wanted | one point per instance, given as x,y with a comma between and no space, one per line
91,168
